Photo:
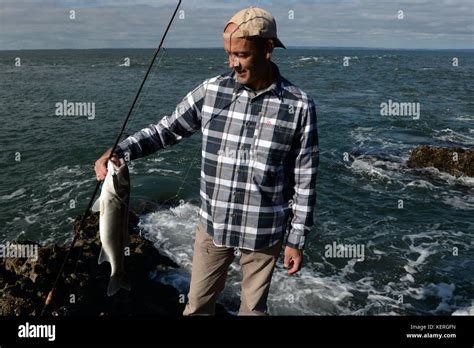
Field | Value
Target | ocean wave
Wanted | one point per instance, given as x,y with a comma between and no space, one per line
394,169
377,56
423,249
172,231
16,194
367,135
365,167
468,310
362,134
464,203
466,118
162,171
305,59
32,218
421,183
450,136
447,178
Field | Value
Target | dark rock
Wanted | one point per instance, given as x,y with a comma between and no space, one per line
25,283
145,207
444,159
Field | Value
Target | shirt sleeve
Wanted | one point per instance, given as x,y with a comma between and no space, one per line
185,121
306,152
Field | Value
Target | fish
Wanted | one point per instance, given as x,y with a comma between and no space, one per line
113,204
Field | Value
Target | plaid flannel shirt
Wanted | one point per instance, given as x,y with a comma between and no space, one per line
259,159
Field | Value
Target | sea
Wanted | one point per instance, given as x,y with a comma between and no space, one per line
412,229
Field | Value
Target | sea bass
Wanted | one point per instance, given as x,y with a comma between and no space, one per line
113,223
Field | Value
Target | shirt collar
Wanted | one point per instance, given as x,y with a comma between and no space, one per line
276,87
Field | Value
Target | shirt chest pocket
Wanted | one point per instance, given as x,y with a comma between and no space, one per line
274,137
271,132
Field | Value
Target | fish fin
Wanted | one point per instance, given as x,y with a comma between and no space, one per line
103,256
96,207
118,281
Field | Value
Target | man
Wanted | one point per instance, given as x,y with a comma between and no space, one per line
259,163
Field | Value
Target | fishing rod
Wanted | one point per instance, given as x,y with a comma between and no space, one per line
50,296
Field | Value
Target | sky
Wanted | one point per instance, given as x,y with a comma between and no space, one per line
47,24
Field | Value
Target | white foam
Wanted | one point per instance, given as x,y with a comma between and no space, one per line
424,250
62,199
31,219
468,310
368,168
421,183
408,277
162,171
468,118
379,252
155,159
173,230
305,59
450,179
362,134
451,136
16,194
309,292
464,202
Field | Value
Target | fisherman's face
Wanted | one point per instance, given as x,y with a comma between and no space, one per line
249,61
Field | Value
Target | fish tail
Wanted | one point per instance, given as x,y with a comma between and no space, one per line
118,281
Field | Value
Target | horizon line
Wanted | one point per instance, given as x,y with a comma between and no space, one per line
218,47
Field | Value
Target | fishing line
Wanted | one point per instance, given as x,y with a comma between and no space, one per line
147,88
196,157
86,213
145,93
235,63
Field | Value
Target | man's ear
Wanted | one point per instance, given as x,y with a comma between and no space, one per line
269,46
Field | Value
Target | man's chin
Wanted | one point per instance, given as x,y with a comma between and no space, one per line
242,81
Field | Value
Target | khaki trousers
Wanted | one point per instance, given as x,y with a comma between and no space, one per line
209,271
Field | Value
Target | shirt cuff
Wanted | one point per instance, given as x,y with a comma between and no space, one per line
120,152
296,241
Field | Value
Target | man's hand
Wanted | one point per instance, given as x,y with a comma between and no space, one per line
293,259
100,166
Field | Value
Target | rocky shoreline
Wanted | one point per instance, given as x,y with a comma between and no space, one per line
82,288
25,283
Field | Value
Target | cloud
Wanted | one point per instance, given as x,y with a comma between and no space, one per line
140,23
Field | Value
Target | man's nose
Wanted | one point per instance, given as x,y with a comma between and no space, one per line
234,62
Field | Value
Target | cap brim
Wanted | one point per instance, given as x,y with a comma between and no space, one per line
278,43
